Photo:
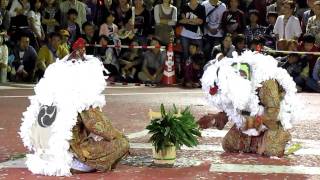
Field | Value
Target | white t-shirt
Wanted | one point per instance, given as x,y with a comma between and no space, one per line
291,30
36,19
214,19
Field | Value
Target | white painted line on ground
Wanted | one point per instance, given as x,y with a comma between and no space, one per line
138,134
265,169
218,148
18,163
128,94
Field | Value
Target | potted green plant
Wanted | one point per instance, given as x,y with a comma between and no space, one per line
170,131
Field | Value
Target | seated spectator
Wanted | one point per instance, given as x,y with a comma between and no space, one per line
314,83
308,45
3,59
90,36
313,26
51,16
233,20
296,67
153,62
130,60
25,57
4,12
225,49
269,35
72,26
165,16
193,67
108,28
239,42
34,20
65,35
49,53
78,6
254,30
287,26
123,18
109,58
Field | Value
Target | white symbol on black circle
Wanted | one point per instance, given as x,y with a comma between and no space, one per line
47,115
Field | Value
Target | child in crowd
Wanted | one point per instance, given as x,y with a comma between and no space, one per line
269,35
108,28
129,62
193,67
72,26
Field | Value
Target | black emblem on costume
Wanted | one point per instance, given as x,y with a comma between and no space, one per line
47,115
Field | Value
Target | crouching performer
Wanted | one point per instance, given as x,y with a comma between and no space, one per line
64,127
258,97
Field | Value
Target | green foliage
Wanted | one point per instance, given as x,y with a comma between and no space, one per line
174,129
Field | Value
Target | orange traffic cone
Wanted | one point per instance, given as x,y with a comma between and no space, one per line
169,76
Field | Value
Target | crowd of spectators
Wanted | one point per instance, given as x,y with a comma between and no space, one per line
34,33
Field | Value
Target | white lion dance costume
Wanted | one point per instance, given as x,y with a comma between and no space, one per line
64,127
258,97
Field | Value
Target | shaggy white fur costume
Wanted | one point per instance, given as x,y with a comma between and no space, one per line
72,87
236,94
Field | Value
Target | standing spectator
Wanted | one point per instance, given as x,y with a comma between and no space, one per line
225,49
78,6
192,19
193,66
51,16
153,62
213,31
313,26
25,57
165,16
276,7
4,15
3,59
49,53
19,7
254,30
34,19
72,26
108,28
130,60
287,26
260,6
142,22
269,35
233,20
307,14
123,14
90,36
314,83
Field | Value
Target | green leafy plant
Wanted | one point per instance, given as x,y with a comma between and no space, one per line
174,128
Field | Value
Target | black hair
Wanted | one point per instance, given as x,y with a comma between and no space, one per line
33,5
194,44
23,34
272,14
290,3
254,11
87,23
309,38
238,38
72,12
54,34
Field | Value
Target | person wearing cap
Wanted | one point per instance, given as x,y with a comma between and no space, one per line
64,39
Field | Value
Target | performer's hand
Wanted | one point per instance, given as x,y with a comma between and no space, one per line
206,121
